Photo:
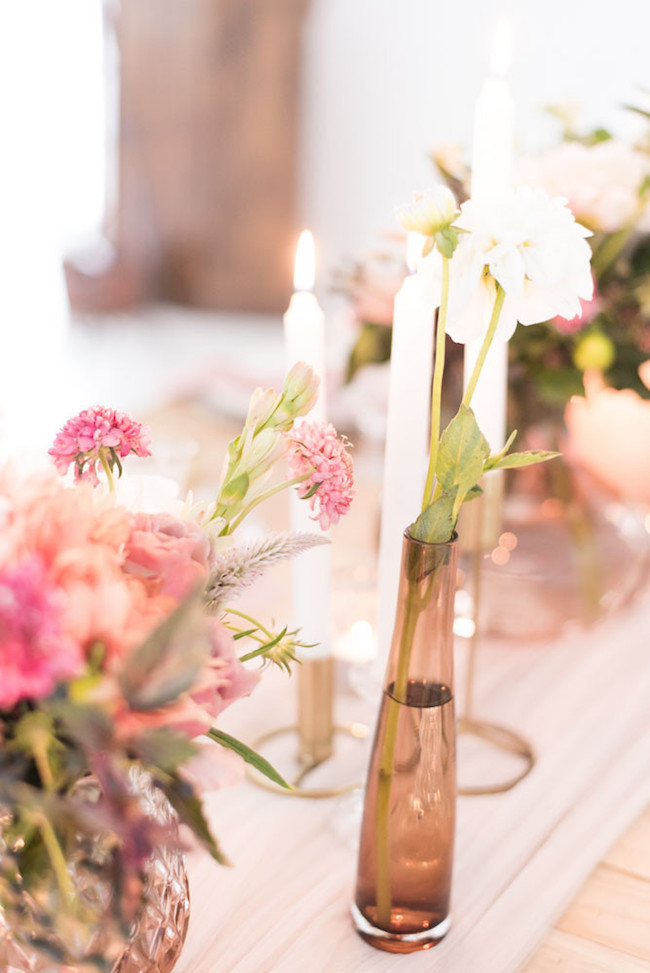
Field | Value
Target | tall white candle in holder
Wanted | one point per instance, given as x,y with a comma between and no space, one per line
492,162
407,436
304,329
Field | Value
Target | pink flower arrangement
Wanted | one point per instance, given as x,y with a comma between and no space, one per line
109,655
98,435
319,456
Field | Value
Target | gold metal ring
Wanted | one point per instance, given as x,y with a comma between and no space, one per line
358,731
504,739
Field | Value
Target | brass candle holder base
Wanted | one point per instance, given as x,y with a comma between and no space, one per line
503,739
482,523
296,777
314,734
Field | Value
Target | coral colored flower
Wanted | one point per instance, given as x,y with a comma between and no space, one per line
316,451
167,554
35,653
609,433
98,434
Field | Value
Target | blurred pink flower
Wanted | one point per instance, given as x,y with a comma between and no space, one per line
589,310
35,652
317,451
82,437
80,536
167,554
373,296
222,681
609,433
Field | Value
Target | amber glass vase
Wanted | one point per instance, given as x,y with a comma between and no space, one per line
407,834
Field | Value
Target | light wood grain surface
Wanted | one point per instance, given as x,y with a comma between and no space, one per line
521,857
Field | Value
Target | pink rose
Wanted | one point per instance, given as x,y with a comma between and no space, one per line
167,554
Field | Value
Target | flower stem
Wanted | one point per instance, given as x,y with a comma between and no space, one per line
386,765
265,496
485,347
436,388
253,621
56,856
107,470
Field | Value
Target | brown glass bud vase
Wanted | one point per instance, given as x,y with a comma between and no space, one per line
407,834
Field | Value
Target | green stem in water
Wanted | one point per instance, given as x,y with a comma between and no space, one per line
485,347
264,496
107,470
436,388
414,607
56,856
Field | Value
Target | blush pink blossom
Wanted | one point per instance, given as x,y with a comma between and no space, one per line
589,310
35,652
609,434
319,454
167,554
94,433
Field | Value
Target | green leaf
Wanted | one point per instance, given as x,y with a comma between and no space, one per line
515,460
502,452
168,663
235,489
249,755
436,524
447,241
312,490
189,809
462,453
472,494
164,748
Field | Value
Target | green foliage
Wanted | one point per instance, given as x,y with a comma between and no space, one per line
462,453
249,755
436,523
168,662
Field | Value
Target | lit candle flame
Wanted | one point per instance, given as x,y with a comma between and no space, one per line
501,54
304,270
414,244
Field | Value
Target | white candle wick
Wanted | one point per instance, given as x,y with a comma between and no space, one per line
305,266
501,53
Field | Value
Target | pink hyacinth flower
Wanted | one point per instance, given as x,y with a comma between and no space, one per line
97,433
319,454
35,653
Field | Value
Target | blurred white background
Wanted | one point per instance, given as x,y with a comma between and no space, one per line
383,83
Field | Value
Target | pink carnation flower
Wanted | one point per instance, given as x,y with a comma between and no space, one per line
167,554
94,434
34,651
317,452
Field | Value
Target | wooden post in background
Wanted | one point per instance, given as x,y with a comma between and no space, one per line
208,142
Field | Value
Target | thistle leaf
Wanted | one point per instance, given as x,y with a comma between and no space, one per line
249,755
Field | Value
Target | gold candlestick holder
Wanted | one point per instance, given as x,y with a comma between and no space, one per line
312,740
480,531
